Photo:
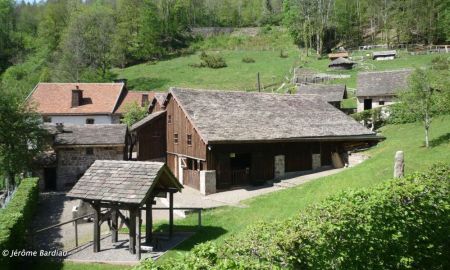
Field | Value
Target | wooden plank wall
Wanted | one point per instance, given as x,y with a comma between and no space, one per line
152,140
181,125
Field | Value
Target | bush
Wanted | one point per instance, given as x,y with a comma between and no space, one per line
374,118
283,54
399,114
16,217
400,224
248,60
210,61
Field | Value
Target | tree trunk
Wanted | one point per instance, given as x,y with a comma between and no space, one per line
427,143
10,181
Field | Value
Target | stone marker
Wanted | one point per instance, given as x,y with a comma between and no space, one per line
399,164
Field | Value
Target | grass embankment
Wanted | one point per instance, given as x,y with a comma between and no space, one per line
221,222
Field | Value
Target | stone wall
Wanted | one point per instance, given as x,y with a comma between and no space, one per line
207,182
279,166
316,163
388,100
73,162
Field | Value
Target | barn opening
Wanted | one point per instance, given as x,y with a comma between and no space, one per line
367,104
240,168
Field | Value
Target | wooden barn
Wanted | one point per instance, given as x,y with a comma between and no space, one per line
331,93
157,103
220,139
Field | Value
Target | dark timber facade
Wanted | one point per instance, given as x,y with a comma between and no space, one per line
212,145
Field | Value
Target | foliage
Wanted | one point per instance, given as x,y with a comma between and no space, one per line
133,113
16,218
210,61
402,223
428,94
248,60
21,135
373,118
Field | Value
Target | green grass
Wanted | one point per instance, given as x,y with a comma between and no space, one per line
236,76
221,222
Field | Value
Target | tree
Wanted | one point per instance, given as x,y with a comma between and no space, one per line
6,29
133,113
427,94
21,136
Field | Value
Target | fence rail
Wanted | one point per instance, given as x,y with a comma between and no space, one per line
198,210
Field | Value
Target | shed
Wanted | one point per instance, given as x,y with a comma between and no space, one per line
341,63
332,93
150,135
333,56
380,88
384,55
125,185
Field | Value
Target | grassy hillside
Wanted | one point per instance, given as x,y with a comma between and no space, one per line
221,222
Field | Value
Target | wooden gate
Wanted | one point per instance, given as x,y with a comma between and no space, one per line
191,178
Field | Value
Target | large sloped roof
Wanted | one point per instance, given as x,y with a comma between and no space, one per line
232,116
123,181
329,92
56,98
70,135
382,83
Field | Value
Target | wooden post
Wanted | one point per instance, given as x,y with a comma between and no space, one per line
76,233
138,235
148,221
170,214
114,225
96,243
258,82
132,231
399,165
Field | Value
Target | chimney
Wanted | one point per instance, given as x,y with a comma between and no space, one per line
144,100
77,97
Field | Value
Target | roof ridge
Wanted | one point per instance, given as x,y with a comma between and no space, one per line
386,71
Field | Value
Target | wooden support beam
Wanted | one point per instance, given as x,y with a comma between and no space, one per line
132,231
170,214
114,225
96,224
148,222
138,235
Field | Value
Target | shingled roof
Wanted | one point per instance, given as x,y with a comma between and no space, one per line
70,135
123,181
384,53
134,97
329,92
341,61
146,120
382,83
232,116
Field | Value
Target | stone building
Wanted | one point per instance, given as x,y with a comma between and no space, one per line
375,89
74,149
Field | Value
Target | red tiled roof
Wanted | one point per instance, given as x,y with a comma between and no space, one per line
133,97
56,98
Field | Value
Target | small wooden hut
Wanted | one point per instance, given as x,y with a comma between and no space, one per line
341,63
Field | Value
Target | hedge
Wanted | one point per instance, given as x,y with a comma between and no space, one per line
17,216
400,224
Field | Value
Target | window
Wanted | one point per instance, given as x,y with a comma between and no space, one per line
90,121
89,151
189,139
175,138
381,102
47,119
169,119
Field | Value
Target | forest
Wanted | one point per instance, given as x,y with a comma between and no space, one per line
75,40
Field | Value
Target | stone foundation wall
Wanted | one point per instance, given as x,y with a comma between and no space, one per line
316,162
73,162
279,166
207,182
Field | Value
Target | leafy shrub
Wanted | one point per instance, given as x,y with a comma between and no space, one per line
248,60
401,224
16,217
373,118
399,114
210,61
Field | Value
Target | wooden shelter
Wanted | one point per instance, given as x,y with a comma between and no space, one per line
221,139
332,93
131,186
341,63
384,55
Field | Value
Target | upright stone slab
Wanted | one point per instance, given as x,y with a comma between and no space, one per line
399,164
207,182
316,163
279,166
